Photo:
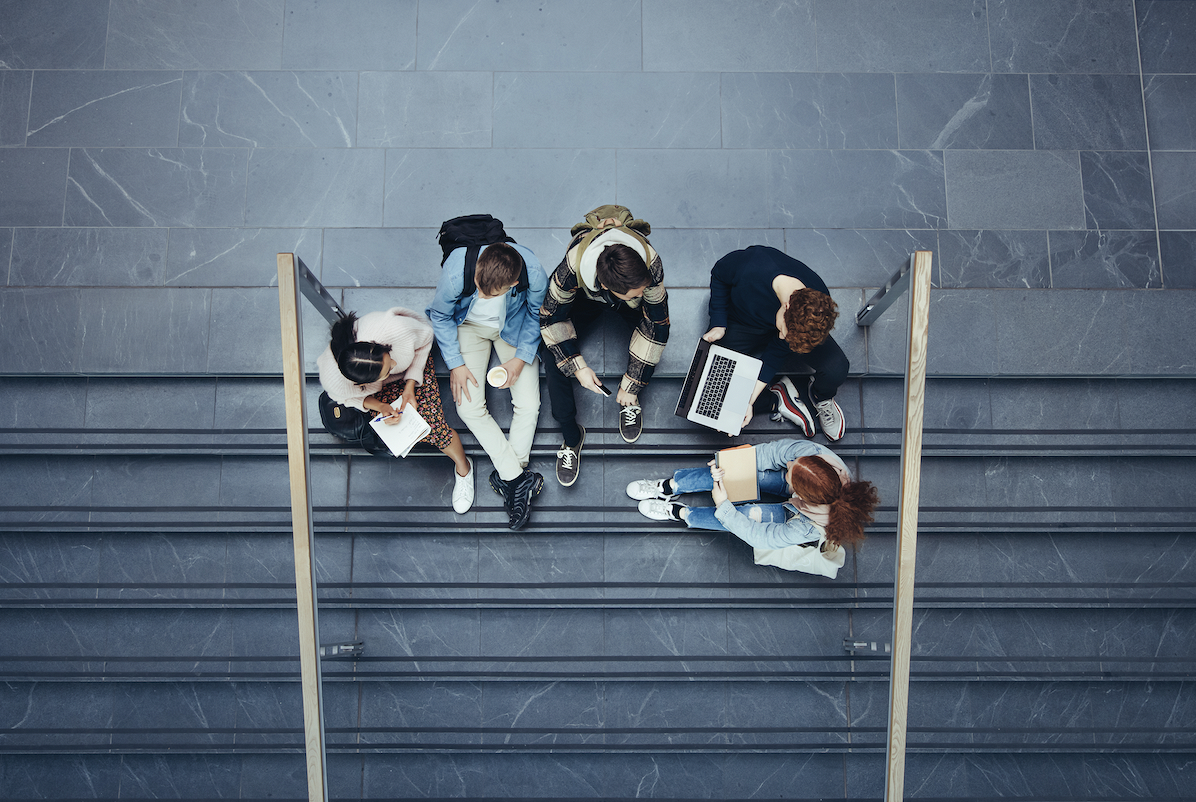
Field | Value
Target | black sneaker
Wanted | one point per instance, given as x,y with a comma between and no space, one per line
631,422
497,484
520,492
568,461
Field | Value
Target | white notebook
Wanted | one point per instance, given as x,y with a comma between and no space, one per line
400,437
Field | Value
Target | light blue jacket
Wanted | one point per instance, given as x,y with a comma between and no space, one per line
774,456
522,325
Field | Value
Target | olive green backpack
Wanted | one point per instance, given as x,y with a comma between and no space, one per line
602,219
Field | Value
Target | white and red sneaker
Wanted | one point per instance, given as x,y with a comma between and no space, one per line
790,406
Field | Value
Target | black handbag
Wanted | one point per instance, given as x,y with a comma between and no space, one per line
351,425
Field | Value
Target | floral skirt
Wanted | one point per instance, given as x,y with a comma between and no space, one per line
427,401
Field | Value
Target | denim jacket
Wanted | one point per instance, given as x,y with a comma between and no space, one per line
797,529
522,325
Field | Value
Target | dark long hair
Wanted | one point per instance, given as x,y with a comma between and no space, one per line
359,362
814,481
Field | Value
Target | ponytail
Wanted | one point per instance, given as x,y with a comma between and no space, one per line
359,362
850,510
816,482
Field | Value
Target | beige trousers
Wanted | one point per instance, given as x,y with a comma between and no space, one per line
510,455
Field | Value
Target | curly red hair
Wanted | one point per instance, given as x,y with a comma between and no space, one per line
851,505
809,319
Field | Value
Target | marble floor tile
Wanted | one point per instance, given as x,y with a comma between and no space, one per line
539,187
354,35
237,257
63,36
174,34
957,110
808,110
1062,36
314,188
724,38
269,109
857,257
1117,189
1167,36
1174,199
1013,189
15,86
427,110
33,181
993,259
104,109
88,257
688,254
523,35
917,36
1178,255
156,187
1170,105
697,188
856,189
657,110
1091,259
1093,112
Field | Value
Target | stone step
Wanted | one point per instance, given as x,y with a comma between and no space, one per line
521,773
809,716
245,416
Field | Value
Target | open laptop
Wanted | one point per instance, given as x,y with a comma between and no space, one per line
718,387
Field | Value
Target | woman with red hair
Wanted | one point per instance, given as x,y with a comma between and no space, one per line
826,509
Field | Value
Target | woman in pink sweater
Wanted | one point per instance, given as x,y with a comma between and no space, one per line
382,357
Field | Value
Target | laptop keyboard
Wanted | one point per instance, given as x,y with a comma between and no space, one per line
714,392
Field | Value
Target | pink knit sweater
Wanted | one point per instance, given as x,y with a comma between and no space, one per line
409,335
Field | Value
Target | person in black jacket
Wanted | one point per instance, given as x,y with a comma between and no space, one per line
769,305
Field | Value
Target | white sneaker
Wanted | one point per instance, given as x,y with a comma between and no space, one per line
643,489
660,510
830,418
463,490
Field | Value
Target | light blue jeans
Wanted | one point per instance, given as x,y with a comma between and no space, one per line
698,480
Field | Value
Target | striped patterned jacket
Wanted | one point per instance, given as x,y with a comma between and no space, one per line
647,340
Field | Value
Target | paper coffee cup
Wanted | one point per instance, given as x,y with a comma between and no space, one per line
497,376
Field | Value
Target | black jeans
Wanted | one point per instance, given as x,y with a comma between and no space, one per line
827,360
585,314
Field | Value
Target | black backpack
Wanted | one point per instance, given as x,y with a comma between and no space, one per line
473,232
351,425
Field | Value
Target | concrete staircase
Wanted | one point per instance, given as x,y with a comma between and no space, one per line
149,627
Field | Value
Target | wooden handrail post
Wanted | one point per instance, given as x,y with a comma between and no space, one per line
907,527
305,575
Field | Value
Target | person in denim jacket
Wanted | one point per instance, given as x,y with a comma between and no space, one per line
824,503
501,312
